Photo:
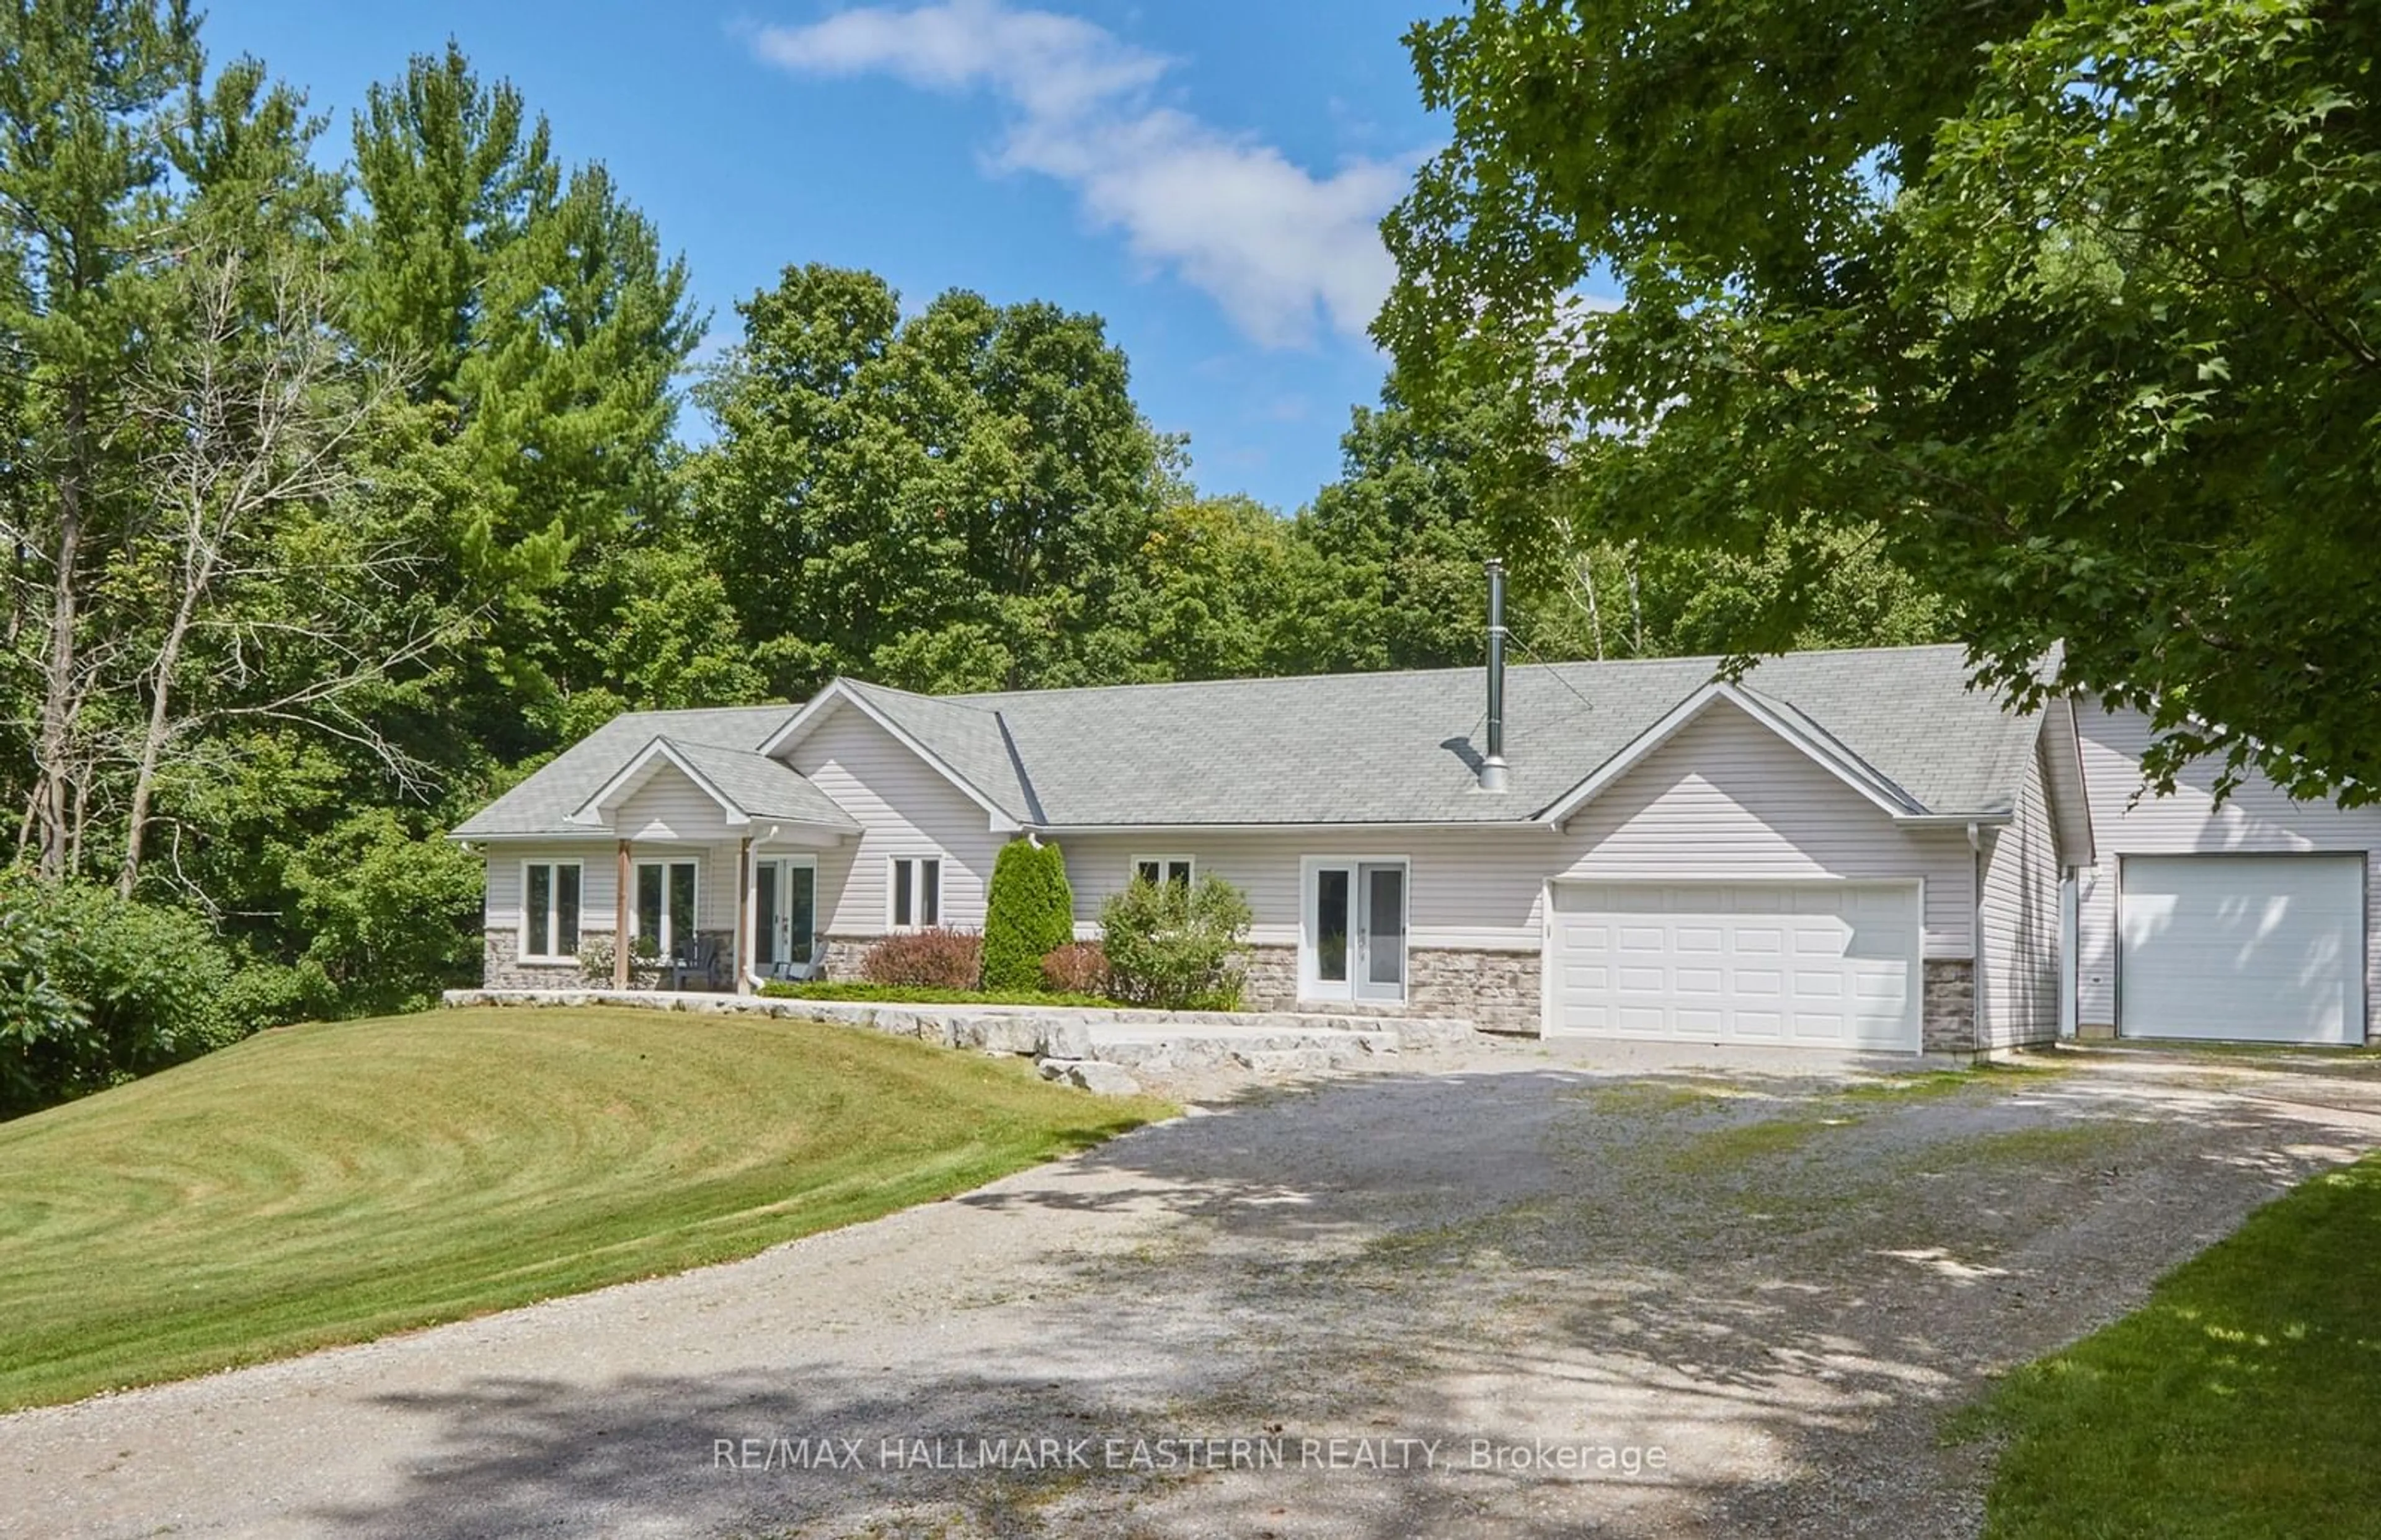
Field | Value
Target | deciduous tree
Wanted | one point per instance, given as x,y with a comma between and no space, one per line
2074,307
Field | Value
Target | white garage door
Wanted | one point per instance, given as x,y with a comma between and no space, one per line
1815,964
2269,949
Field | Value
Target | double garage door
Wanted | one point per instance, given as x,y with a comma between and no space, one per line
2258,948
1803,964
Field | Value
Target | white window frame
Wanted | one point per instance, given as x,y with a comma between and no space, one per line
1311,985
546,922
665,940
1190,865
917,891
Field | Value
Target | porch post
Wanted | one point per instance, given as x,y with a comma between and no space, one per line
621,939
743,942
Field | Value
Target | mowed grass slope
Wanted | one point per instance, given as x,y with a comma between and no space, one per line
331,1183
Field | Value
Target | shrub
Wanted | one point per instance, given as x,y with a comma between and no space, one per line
926,960
1077,968
1175,947
390,919
595,961
1028,912
95,989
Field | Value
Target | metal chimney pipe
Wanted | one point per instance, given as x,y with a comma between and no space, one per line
1492,775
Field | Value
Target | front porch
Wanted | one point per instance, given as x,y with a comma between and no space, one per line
720,861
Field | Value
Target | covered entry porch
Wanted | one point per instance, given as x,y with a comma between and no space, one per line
702,830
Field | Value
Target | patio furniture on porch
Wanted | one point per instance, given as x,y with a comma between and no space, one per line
694,960
810,969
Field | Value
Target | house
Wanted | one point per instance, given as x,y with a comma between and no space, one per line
1843,850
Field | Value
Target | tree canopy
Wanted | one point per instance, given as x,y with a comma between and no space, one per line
2073,313
338,497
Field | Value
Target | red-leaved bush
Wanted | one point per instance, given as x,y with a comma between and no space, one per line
1077,968
926,960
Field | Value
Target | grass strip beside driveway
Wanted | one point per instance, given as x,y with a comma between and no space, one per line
2238,1403
335,1182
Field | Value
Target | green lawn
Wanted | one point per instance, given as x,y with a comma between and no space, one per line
2238,1403
331,1183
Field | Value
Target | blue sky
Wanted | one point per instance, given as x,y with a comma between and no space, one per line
1203,176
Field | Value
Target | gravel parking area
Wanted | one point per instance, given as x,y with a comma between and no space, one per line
1516,1291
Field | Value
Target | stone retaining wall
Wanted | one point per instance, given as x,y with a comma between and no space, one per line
1141,1039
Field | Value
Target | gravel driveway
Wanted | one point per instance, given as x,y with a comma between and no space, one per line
1734,1301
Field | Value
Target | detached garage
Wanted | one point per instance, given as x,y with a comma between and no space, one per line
2258,948
2248,918
1824,964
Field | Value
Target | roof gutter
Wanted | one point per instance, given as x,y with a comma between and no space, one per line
1061,830
1970,822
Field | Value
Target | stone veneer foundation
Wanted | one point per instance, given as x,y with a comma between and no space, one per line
1496,991
1493,991
1947,1016
501,967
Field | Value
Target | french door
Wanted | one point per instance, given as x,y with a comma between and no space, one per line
1352,943
784,917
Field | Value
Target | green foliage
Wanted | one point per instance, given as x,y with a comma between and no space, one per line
2064,311
928,994
1173,947
101,988
950,501
1028,912
390,920
543,328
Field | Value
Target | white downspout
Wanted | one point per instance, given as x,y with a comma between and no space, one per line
1976,929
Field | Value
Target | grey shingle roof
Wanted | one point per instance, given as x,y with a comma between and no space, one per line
1400,747
764,787
542,803
965,736
1390,748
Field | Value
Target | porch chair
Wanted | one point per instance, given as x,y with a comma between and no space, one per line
802,972
694,960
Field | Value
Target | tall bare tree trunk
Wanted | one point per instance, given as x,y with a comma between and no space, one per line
152,737
1636,608
59,697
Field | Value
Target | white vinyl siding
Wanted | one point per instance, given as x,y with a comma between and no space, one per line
904,807
2017,915
2257,819
1725,800
599,880
670,807
597,883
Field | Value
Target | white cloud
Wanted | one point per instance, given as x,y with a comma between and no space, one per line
1278,247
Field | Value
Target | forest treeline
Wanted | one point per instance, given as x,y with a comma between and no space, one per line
345,479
